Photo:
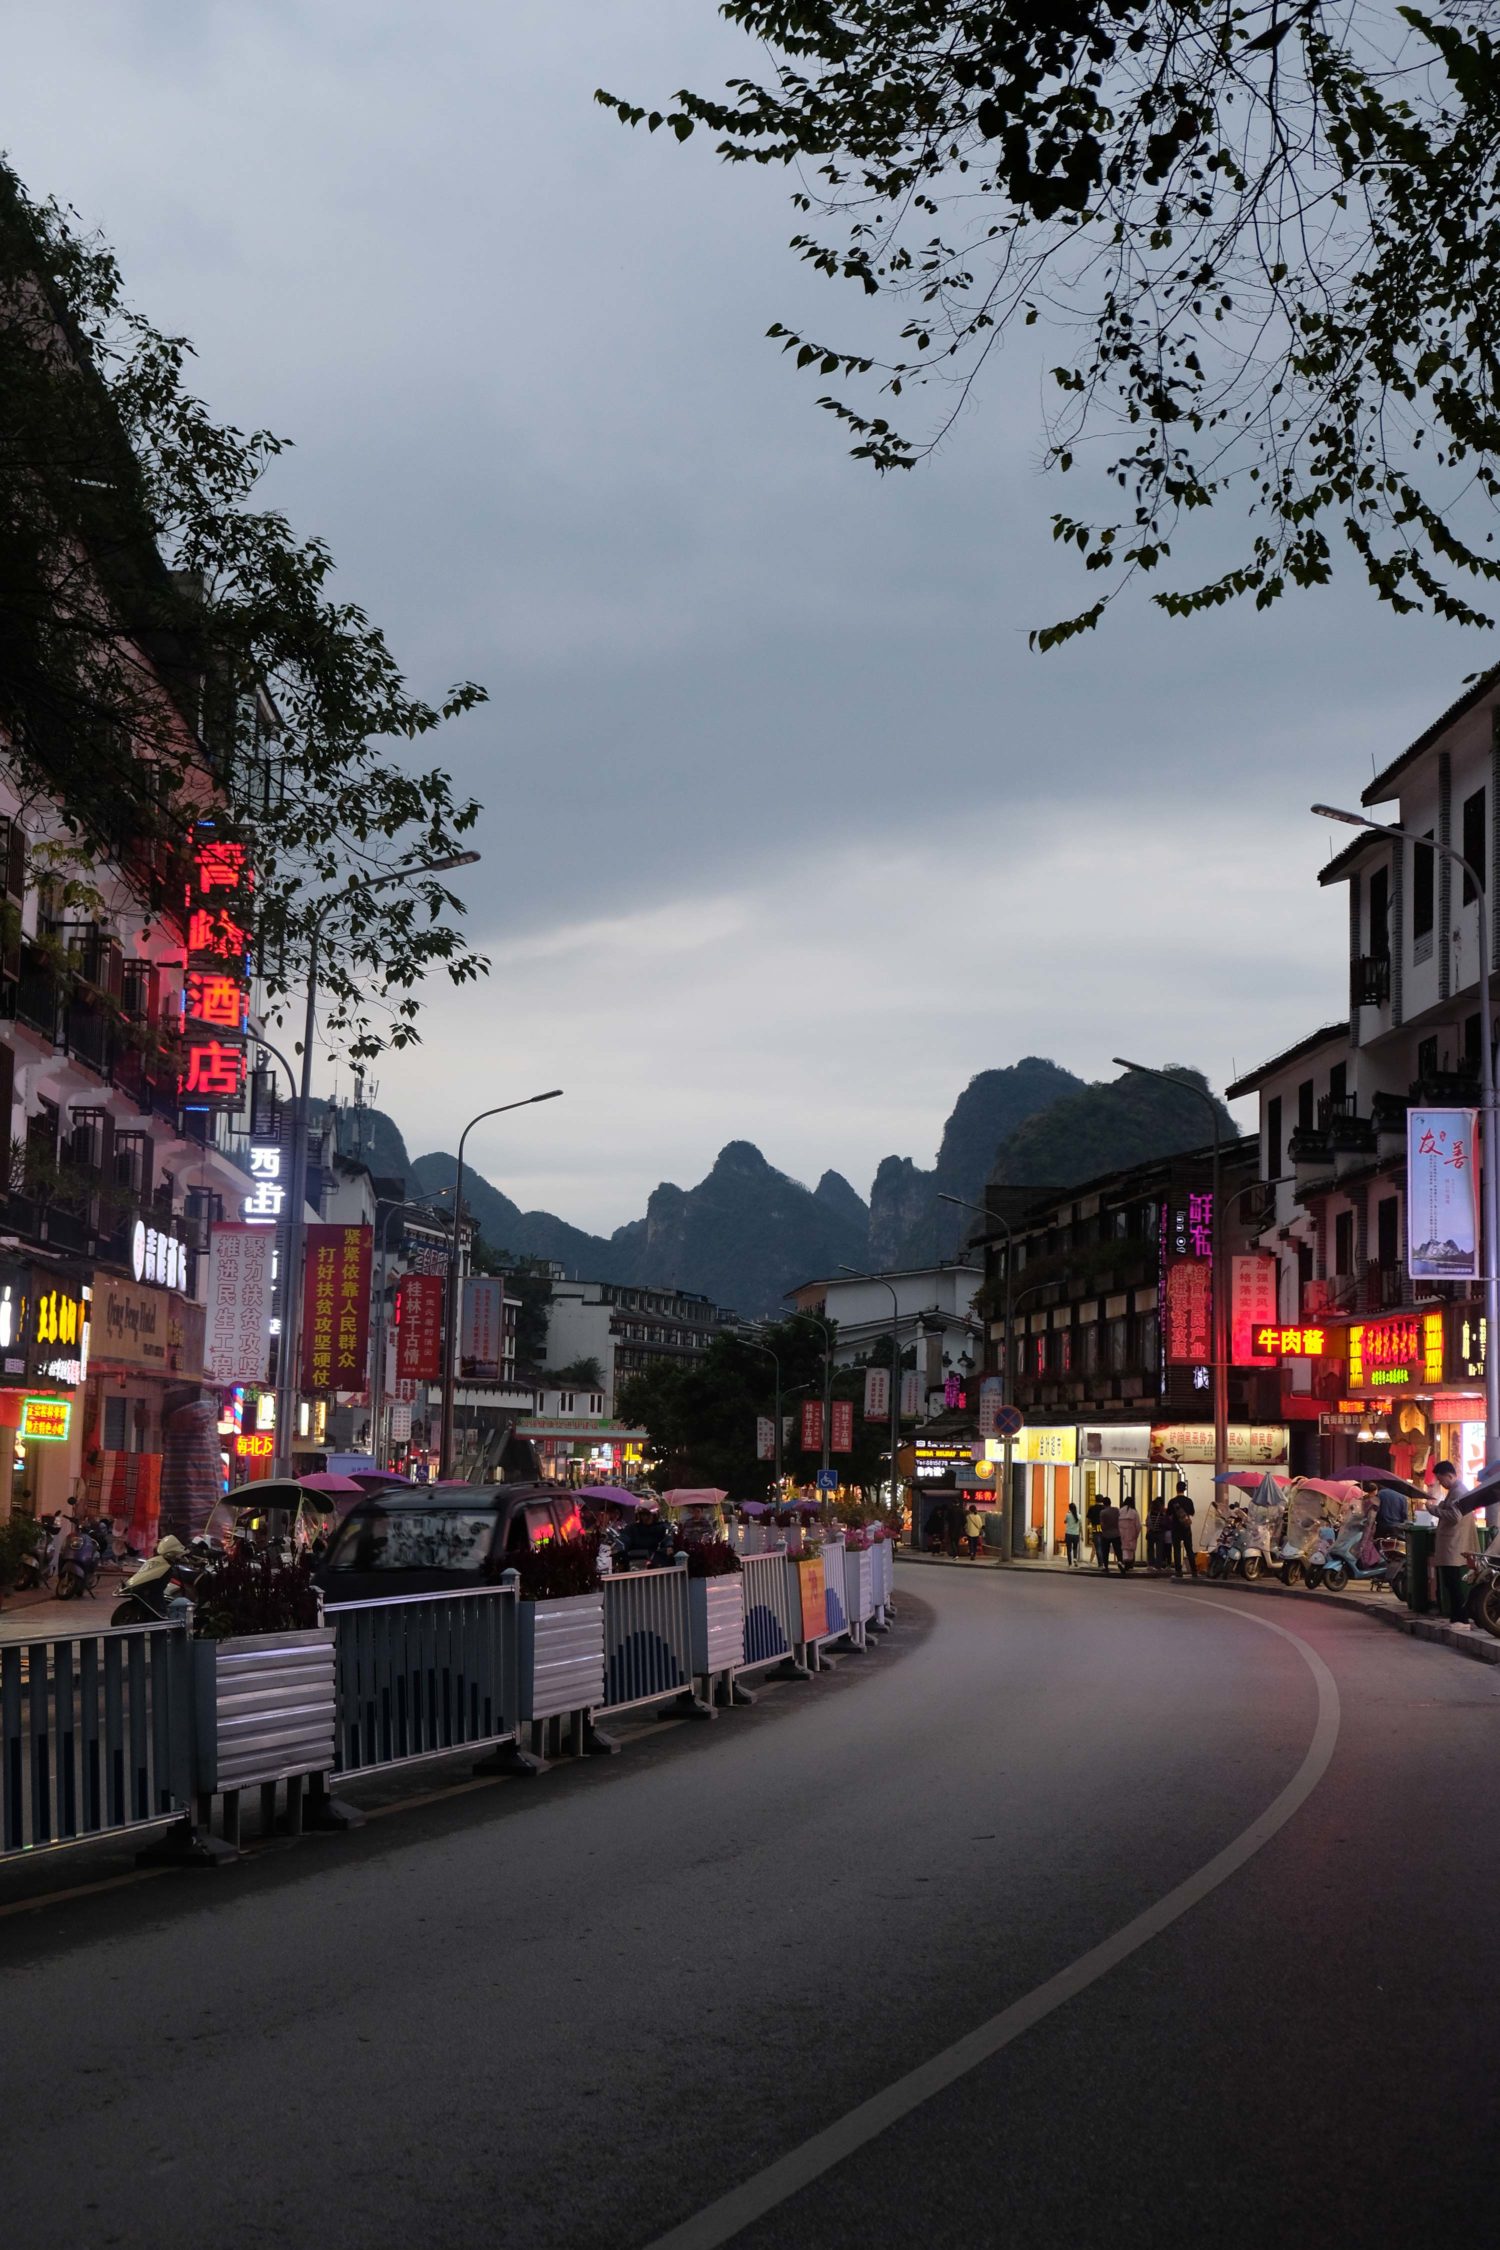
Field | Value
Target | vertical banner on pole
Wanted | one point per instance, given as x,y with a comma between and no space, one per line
911,1393
877,1394
419,1328
1442,1195
765,1438
812,1425
336,1308
841,1439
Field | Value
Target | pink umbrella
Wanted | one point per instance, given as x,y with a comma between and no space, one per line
1249,1480
329,1480
703,1496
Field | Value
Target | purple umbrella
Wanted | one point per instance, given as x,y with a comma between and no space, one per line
610,1495
1360,1472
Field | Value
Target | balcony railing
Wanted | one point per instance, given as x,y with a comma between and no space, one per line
1369,980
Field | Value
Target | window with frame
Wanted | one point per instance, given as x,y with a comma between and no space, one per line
1475,841
1423,885
1343,1242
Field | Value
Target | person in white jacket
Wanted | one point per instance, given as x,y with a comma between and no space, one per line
1453,1508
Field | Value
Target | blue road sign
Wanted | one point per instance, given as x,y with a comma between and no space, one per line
1009,1421
828,1480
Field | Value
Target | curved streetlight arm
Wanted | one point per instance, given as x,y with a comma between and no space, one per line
450,1294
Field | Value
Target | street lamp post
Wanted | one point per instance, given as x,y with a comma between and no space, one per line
1489,1178
895,1400
1008,1519
1220,1306
827,1374
287,1369
765,1350
377,1386
450,1305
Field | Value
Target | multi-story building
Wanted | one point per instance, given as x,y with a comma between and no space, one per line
1108,1286
929,1310
1398,1367
625,1327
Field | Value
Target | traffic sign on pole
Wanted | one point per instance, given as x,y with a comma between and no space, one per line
828,1480
1009,1421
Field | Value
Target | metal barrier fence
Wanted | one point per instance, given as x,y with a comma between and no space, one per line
424,1673
773,1623
647,1637
123,1728
93,1735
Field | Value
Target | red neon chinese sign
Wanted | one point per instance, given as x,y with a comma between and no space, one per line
215,991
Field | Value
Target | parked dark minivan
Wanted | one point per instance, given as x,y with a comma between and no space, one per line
435,1538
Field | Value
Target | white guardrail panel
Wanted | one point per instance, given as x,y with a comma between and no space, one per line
648,1648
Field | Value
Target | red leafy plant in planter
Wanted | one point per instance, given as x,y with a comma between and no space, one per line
710,1558
252,1590
557,1568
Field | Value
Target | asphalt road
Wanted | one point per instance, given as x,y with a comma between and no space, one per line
576,2013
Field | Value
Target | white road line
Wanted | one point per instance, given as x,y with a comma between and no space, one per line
764,2190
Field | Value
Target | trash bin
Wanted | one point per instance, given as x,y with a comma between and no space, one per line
1421,1540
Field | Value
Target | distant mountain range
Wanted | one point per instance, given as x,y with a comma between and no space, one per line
747,1233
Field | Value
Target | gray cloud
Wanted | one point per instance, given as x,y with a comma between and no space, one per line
768,767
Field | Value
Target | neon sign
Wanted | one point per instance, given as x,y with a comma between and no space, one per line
46,1419
255,1445
215,994
1395,1354
1291,1343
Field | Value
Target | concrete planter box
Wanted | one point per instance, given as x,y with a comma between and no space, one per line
716,1617
562,1655
263,1708
859,1584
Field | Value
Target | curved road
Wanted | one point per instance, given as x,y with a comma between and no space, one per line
581,2014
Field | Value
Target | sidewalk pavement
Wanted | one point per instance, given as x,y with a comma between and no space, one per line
36,1617
1468,1640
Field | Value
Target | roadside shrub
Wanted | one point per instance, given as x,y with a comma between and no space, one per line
251,1590
710,1558
557,1568
20,1538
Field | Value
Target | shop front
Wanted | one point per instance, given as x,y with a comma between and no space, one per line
1403,1391
583,1449
145,1360
1045,1458
44,1357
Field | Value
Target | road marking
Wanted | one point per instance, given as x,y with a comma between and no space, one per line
764,2190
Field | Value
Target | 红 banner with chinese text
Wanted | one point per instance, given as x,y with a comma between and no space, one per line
238,1327
1252,1306
841,1437
481,1349
812,1425
1188,1328
336,1308
1442,1195
419,1328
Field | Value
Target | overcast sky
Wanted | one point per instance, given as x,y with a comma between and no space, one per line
787,833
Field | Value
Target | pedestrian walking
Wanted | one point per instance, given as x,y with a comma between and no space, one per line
1108,1542
973,1532
1450,1547
1072,1528
1092,1514
1158,1534
1130,1533
1182,1512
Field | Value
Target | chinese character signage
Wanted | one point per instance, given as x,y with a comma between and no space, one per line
336,1308
1442,1195
1403,1353
1057,1445
1272,1343
911,1393
419,1327
1252,1307
238,1327
1466,1342
215,989
877,1394
1188,1328
765,1438
991,1399
841,1437
1251,1445
46,1418
812,1425
481,1348
262,1206
158,1257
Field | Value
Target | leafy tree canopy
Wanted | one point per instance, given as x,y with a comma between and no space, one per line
1268,231
169,650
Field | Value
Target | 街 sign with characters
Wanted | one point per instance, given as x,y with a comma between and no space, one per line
336,1308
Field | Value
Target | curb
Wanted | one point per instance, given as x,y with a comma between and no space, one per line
1478,1645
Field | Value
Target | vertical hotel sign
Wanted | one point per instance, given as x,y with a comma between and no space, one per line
215,984
336,1308
1442,1195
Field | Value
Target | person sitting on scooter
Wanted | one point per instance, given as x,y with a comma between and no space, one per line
1391,1512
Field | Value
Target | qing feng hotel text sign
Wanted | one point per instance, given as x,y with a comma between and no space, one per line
336,1308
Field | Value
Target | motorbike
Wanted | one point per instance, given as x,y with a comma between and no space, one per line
1237,1549
1484,1592
36,1568
77,1564
170,1574
1341,1562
